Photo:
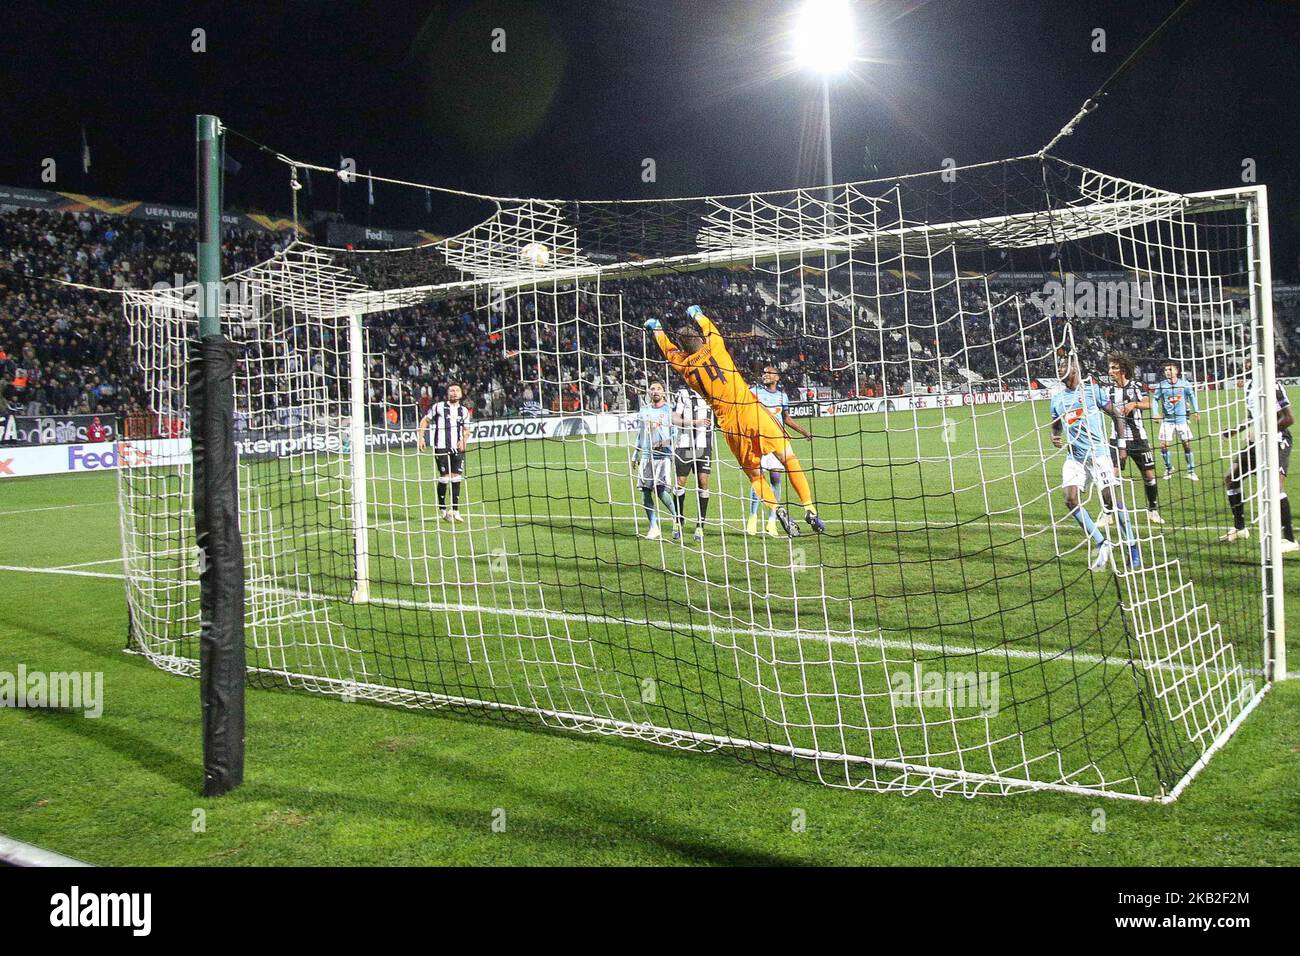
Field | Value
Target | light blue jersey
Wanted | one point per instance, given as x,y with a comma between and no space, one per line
656,430
1175,400
777,400
1079,412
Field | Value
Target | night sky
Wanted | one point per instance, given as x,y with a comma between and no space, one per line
589,88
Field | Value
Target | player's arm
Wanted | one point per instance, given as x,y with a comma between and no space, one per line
1229,432
1285,417
705,323
1109,407
1158,403
1191,401
789,422
665,344
464,436
642,439
1058,429
420,429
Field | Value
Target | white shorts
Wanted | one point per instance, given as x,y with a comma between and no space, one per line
1100,471
655,471
1182,430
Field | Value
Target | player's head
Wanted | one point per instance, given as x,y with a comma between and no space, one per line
1067,369
656,392
770,377
1173,370
453,393
1121,368
689,339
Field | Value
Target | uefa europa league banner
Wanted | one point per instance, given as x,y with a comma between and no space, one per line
12,197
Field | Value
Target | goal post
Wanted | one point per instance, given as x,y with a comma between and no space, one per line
962,626
1261,296
357,447
216,491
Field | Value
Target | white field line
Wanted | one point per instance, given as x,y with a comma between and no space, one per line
470,514
69,572
86,504
91,564
1063,655
16,853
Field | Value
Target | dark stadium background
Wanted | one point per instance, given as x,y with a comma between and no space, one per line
587,90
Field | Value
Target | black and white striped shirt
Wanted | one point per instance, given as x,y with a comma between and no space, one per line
692,407
445,423
1280,400
1135,427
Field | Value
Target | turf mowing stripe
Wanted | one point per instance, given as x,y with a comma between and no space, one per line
1063,656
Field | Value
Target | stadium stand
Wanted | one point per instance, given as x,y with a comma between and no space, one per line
64,350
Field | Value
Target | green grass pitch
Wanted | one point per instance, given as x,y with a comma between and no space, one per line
930,558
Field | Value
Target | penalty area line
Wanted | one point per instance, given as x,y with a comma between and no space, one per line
71,572
85,504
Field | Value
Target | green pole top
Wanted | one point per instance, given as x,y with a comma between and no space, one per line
207,134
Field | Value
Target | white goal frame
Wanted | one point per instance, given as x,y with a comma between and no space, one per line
1085,220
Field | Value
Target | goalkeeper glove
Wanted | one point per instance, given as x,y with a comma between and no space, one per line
694,311
653,325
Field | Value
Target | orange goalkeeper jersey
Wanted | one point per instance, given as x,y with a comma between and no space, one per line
711,371
749,427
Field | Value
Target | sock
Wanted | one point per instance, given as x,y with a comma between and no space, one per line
1085,522
1169,465
776,486
1287,531
668,501
1237,506
762,490
1153,494
455,494
442,494
648,500
799,481
1125,529
754,502
703,494
679,499
1187,456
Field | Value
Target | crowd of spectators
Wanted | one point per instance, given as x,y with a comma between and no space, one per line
65,350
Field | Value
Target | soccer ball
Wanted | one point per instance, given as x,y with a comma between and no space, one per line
535,254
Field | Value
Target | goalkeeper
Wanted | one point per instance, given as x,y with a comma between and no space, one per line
701,358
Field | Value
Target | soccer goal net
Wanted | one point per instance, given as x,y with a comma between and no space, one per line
595,563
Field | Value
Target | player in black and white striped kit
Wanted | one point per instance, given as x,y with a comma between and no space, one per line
1131,400
1247,461
448,425
693,451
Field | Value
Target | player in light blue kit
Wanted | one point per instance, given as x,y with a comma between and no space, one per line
772,397
1077,424
1174,400
653,460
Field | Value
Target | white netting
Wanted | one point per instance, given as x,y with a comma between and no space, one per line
944,634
